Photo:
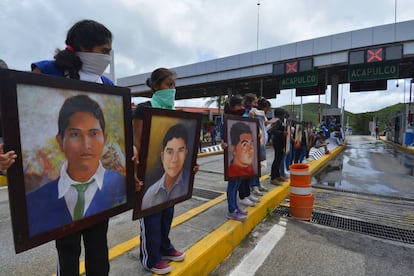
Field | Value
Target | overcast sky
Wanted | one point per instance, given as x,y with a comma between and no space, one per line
169,33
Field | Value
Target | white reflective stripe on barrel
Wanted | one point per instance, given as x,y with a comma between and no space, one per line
299,173
300,191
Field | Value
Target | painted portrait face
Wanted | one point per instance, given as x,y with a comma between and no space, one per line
173,156
82,144
243,152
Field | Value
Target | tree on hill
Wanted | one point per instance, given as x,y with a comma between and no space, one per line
358,121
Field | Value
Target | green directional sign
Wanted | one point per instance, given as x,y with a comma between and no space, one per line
305,79
374,71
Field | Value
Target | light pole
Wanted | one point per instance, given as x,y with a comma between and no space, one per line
404,93
395,19
257,30
410,117
395,11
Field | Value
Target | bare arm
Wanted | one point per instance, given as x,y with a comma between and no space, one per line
36,70
6,159
138,124
137,130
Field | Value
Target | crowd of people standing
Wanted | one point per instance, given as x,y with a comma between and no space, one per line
85,57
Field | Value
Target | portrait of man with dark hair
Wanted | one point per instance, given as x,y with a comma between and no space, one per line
84,186
175,180
242,150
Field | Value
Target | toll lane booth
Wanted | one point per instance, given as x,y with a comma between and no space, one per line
396,127
400,127
409,126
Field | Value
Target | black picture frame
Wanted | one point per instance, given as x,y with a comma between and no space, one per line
251,170
161,125
30,105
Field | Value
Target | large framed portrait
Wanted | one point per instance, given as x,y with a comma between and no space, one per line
74,145
242,154
168,155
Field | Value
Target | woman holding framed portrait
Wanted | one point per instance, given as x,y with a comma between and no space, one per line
86,56
81,138
155,246
234,107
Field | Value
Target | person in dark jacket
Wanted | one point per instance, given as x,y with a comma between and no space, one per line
278,133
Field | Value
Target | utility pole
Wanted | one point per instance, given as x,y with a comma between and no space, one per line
257,31
395,19
395,11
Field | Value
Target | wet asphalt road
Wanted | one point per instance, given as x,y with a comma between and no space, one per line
372,167
363,183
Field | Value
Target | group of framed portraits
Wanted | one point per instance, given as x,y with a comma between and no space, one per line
64,130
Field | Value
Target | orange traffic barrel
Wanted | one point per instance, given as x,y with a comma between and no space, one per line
300,175
301,206
301,197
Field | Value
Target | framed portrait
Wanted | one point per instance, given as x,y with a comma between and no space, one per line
242,154
167,158
73,140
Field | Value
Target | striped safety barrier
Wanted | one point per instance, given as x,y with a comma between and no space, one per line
301,197
212,148
315,154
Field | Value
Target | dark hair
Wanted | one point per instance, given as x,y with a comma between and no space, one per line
158,76
86,34
236,130
262,103
279,113
176,131
232,102
79,103
3,64
249,98
287,115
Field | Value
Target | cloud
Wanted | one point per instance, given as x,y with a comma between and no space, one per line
151,34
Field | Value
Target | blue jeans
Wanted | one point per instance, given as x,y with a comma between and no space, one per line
282,165
289,156
302,154
232,188
255,182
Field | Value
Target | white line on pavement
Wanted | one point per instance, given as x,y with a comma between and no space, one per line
252,261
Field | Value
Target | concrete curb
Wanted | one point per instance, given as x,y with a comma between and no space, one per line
401,147
3,180
204,256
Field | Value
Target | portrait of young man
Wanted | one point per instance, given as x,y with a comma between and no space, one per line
175,180
84,186
242,150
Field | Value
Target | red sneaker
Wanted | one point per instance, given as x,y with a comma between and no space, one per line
174,255
327,152
162,267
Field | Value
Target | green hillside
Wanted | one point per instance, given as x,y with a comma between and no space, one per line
310,111
358,121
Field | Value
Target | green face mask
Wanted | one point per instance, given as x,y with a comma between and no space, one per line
163,99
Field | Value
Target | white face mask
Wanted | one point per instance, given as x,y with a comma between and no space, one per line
94,63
